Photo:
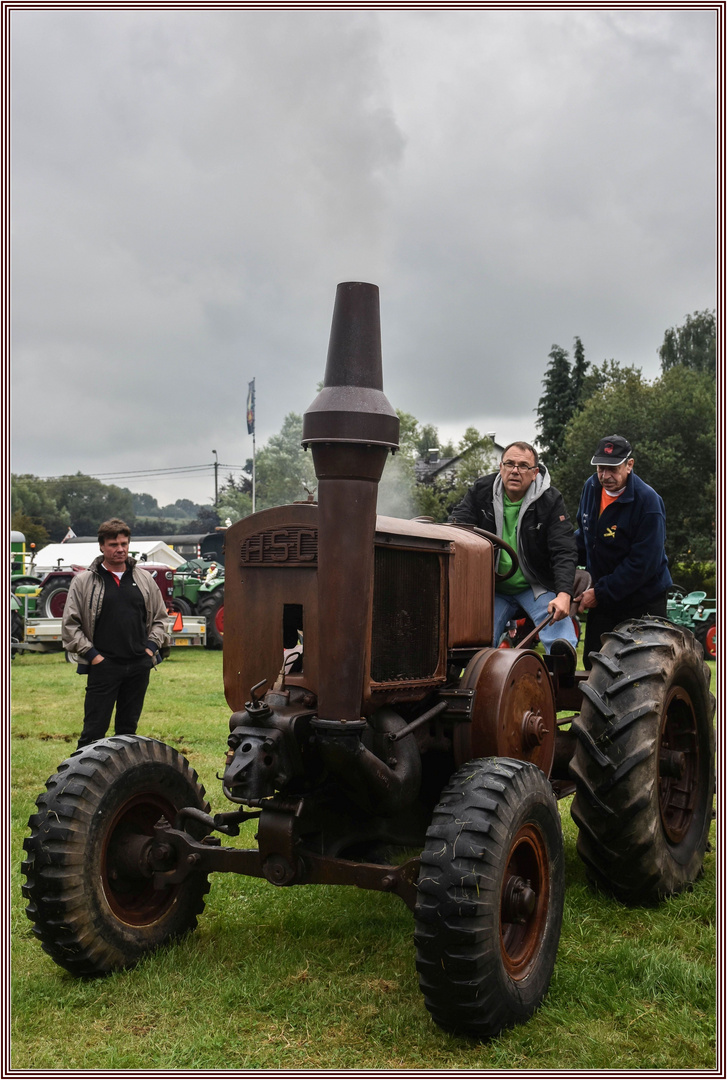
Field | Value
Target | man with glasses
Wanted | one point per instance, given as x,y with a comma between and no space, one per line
519,504
620,536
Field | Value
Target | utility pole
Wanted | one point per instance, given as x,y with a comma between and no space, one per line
250,414
216,467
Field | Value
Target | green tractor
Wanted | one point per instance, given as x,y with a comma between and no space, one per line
697,613
21,562
199,589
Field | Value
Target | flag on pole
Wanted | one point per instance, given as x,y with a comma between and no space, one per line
69,536
251,408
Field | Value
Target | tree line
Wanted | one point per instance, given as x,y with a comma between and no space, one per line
45,508
671,423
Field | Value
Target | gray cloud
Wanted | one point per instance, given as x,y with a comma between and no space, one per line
189,187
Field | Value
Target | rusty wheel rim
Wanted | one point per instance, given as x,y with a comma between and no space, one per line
678,765
126,871
524,901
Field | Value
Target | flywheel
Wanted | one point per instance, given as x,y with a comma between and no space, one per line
513,710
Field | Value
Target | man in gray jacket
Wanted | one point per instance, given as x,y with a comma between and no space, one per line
114,625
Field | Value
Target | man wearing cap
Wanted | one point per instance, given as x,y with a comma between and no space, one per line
620,536
519,504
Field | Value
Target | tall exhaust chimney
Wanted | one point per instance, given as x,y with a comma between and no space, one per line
351,428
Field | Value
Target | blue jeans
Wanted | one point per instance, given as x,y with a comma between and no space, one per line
512,607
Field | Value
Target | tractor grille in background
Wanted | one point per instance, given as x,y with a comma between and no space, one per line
405,633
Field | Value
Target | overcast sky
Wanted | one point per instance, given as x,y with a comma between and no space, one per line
188,188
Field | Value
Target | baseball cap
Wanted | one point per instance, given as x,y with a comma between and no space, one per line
613,450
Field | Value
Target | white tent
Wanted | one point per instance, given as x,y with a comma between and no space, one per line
156,551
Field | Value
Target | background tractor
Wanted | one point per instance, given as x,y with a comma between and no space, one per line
199,589
51,599
400,751
697,613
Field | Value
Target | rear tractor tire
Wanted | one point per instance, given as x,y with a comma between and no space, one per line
644,764
52,598
88,883
212,608
706,635
490,898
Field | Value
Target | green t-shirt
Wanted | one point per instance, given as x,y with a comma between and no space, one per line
518,582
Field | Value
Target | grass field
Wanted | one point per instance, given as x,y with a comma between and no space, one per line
323,977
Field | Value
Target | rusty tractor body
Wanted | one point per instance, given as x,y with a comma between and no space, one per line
379,739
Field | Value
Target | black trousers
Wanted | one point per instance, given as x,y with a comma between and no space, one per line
600,620
109,684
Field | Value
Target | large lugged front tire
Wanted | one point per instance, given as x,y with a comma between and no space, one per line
490,897
88,877
644,762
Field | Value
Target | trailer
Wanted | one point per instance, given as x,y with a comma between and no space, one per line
44,635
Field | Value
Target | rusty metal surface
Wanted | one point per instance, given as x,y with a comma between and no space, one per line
513,712
351,428
256,594
351,407
282,868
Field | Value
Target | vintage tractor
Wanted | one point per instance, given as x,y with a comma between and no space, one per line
199,589
400,752
54,587
697,613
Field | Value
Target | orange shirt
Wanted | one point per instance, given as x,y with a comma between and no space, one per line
607,498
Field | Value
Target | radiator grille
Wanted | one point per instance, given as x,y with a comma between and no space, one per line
405,633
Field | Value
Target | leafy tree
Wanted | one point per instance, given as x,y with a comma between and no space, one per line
235,498
189,509
33,532
206,521
89,502
692,345
144,505
283,469
475,457
31,497
409,435
171,510
671,424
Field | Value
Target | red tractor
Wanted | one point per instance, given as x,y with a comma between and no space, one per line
378,739
54,588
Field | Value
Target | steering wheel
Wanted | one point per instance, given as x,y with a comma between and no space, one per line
500,543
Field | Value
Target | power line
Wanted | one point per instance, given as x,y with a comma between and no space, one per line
142,473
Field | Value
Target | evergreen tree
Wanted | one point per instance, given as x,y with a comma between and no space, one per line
578,375
555,407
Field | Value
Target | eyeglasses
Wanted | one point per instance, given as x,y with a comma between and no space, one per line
518,466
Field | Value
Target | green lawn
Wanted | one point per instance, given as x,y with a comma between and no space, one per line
322,977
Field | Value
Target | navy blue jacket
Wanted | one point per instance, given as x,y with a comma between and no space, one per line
623,549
